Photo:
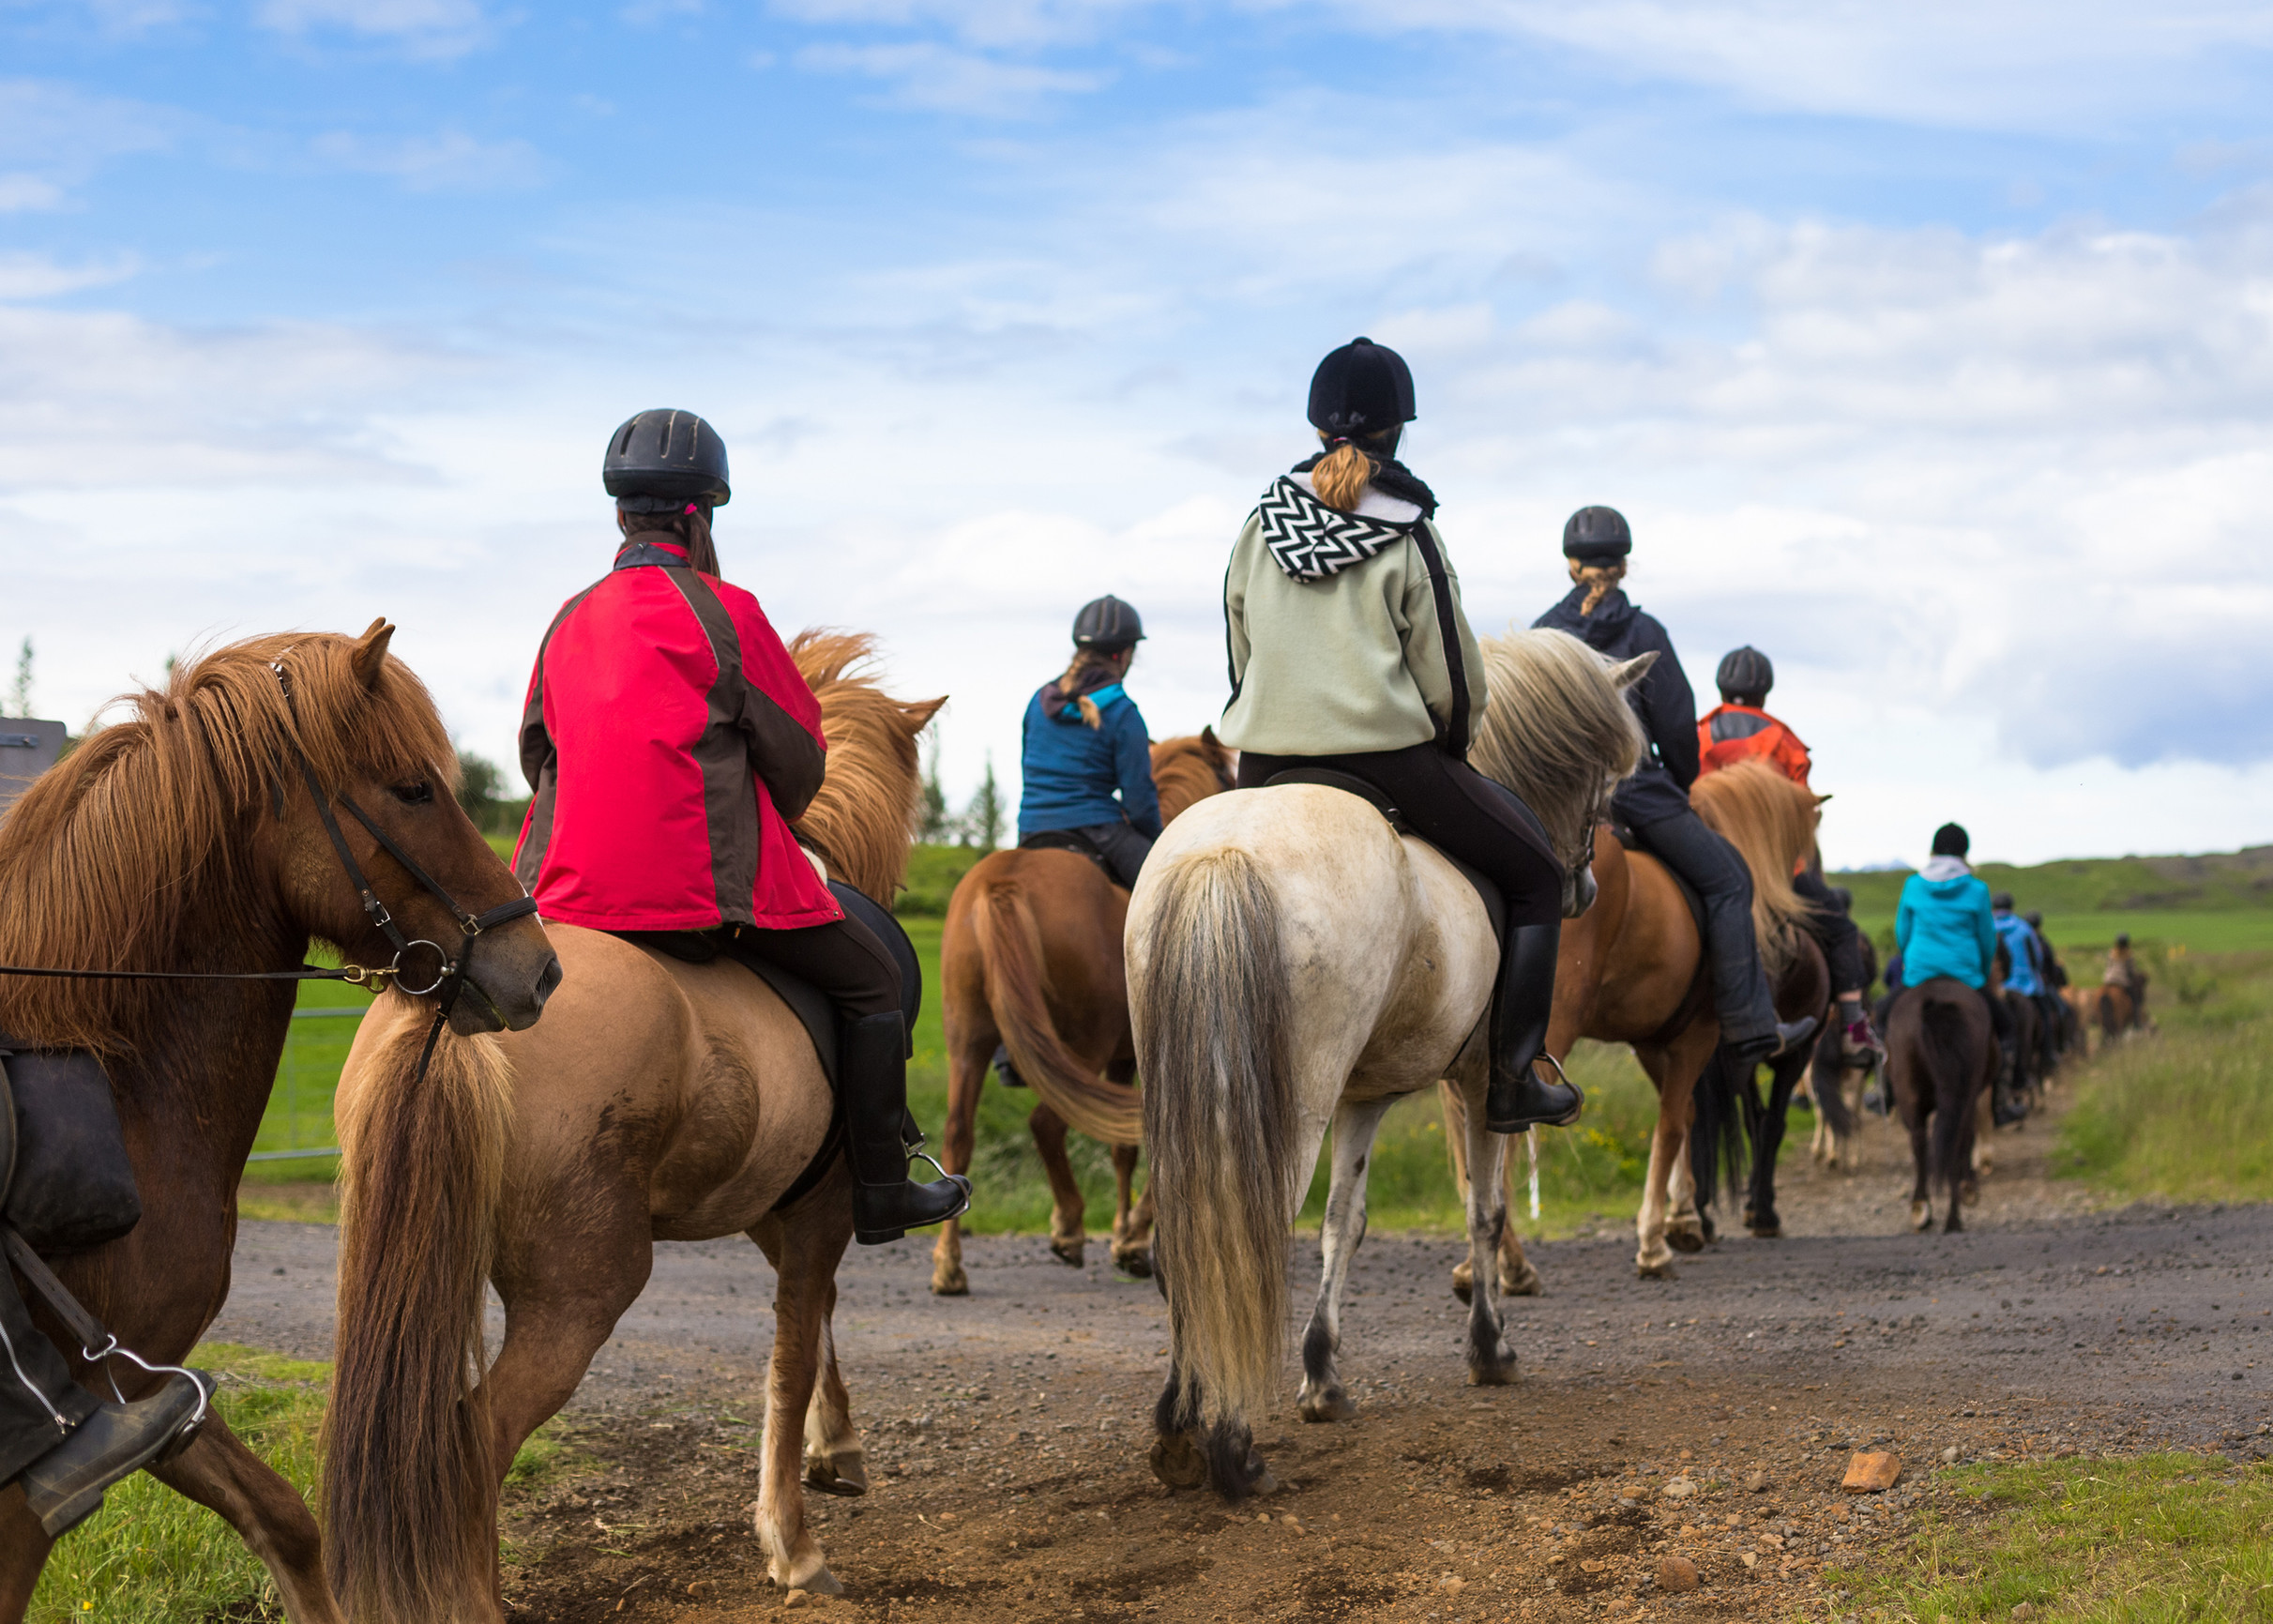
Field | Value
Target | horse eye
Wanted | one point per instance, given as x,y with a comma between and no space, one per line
414,794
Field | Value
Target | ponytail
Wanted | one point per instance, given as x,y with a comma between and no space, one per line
690,524
1341,476
1088,663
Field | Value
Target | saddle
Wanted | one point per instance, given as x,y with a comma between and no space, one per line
1495,906
1700,984
69,1184
1068,841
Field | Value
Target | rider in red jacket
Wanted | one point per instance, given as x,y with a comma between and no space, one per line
670,739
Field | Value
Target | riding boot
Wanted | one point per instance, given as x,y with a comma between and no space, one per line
66,1485
1516,1096
887,1204
1005,1073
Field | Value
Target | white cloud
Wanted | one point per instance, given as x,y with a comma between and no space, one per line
943,80
425,28
449,162
31,276
990,24
54,137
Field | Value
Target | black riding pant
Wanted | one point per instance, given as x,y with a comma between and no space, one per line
1741,999
1124,849
843,958
1454,807
33,1376
1830,924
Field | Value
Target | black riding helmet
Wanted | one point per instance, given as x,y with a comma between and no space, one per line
1951,841
2002,901
1745,671
661,460
1597,535
1361,388
1107,624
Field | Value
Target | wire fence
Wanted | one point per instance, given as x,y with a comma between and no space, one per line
297,1124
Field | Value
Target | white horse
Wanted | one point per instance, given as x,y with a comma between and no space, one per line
1294,962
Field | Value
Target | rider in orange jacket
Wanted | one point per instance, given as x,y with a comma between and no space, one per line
1740,729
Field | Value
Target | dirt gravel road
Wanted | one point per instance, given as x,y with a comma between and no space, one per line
1709,1417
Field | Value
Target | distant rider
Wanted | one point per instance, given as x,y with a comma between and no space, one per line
669,740
1084,743
1944,927
2124,971
1740,729
1349,651
1654,802
2028,976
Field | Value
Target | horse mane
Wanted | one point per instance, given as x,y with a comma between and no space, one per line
1188,767
123,856
1771,822
1554,714
865,817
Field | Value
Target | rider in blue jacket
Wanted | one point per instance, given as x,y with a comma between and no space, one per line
2020,945
1943,925
1084,745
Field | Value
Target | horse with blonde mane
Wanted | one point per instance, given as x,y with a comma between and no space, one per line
185,839
1296,962
1633,970
659,1101
1031,960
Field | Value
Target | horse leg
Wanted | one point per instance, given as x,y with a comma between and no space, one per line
1131,1224
1979,1158
835,1464
1685,1227
1490,1361
1653,1258
1518,1277
221,1473
1767,1143
1922,1159
1456,1146
966,1070
1068,1237
1323,1397
806,1247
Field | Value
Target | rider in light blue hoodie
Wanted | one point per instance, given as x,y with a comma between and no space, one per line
1944,926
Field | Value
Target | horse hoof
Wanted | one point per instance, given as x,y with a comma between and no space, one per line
824,1583
844,1475
1071,1254
1259,1478
1136,1265
1969,1192
1655,1270
1463,1283
1332,1404
1498,1374
950,1282
1527,1284
1685,1239
1921,1217
1955,1225
1768,1231
1706,1227
1176,1461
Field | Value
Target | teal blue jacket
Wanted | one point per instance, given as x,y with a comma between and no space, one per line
1944,926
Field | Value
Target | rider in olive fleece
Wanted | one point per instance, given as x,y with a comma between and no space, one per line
1350,651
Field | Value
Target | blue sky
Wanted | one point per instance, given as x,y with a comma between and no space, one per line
1929,348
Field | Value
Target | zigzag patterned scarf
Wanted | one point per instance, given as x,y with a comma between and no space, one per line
1311,541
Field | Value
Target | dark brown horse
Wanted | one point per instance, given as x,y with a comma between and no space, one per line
1031,960
1941,1055
184,839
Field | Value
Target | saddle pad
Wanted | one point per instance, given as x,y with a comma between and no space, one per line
1067,841
72,1185
1495,906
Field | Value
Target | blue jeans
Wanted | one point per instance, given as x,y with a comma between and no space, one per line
1124,849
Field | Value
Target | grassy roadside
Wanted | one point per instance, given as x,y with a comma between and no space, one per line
2140,1541
150,1556
2188,1115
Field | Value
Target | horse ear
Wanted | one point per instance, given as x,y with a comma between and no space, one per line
1207,737
921,711
369,657
1626,673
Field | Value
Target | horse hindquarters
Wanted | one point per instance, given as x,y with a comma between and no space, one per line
1945,1039
1213,1017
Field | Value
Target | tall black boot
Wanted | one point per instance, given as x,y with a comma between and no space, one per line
1517,1097
887,1204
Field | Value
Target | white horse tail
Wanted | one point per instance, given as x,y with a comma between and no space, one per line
1212,1012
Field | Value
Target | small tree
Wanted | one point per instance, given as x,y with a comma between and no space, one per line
937,829
20,696
982,819
478,784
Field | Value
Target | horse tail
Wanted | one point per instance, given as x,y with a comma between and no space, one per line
1719,1138
1827,1081
1942,1033
1213,1016
409,1485
1009,946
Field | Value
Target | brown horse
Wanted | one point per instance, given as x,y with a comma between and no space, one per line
1632,970
659,1101
1941,1056
185,839
1031,960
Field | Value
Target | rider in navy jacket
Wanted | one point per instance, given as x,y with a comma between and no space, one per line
1654,802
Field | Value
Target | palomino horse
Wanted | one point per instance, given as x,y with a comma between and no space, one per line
185,839
1031,959
659,1101
1941,1055
1632,970
1295,963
